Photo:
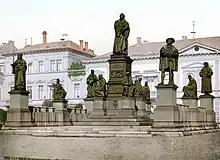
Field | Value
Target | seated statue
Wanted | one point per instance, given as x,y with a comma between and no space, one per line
127,85
100,87
146,92
190,91
59,92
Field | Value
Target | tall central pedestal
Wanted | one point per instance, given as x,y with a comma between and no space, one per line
119,64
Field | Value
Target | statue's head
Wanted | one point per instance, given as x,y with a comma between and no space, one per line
206,64
170,40
146,83
189,77
122,16
19,56
100,76
92,71
139,79
58,80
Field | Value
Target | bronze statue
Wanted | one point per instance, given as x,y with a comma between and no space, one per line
122,31
168,60
100,87
190,91
206,74
138,88
59,92
91,81
146,92
127,85
19,68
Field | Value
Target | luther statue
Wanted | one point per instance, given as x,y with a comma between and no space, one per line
122,31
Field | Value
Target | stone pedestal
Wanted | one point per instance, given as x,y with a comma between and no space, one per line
18,114
148,107
194,114
141,105
206,101
89,104
166,114
119,64
62,115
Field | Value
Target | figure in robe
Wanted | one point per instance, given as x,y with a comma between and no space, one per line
206,75
138,89
90,81
190,90
168,60
146,92
127,85
122,30
19,68
100,87
59,92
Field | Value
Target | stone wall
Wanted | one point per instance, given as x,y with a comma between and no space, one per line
197,147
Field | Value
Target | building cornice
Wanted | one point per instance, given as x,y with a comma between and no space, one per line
153,57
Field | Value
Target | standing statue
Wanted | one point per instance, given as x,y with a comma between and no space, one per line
168,60
122,31
127,85
19,68
146,92
138,89
206,74
190,91
100,87
59,92
90,81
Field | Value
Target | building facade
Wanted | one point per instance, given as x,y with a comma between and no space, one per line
45,63
193,53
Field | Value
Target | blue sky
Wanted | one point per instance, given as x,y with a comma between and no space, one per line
92,20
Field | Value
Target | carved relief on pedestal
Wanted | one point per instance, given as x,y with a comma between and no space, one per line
116,74
114,89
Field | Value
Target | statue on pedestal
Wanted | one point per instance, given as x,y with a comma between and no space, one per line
91,81
138,89
168,60
146,92
127,85
206,75
190,90
19,68
122,31
59,92
100,87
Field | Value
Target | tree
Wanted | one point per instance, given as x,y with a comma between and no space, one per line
77,69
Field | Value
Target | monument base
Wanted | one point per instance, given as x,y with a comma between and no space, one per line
18,113
62,115
89,103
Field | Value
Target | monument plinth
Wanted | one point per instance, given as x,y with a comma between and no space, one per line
18,114
166,114
119,65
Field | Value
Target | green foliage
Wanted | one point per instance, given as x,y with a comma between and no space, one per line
3,117
77,69
47,103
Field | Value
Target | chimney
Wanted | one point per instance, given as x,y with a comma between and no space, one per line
86,46
81,44
138,41
184,37
44,37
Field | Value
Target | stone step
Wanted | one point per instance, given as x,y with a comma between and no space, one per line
115,120
111,123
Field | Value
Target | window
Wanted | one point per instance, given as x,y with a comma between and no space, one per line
55,65
2,68
41,66
29,88
11,88
76,90
40,91
52,65
50,89
59,64
30,68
